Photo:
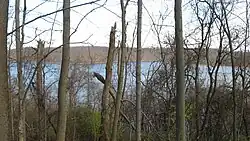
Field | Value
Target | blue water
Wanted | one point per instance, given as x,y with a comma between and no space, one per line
52,71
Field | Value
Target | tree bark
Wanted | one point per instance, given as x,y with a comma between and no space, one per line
105,96
138,73
180,79
63,81
4,93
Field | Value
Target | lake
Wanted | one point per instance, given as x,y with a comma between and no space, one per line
52,71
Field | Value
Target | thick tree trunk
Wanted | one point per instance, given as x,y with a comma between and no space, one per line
180,79
105,96
4,93
63,81
138,73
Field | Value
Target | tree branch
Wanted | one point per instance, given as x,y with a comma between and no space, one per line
39,17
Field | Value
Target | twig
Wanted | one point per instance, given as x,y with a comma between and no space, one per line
39,17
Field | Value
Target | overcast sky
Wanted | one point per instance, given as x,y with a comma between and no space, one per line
96,26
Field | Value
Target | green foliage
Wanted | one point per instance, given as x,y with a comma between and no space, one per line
85,121
88,123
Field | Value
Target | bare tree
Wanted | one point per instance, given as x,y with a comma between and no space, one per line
19,48
230,42
105,96
180,80
243,103
4,93
11,110
63,81
138,73
121,73
205,23
40,94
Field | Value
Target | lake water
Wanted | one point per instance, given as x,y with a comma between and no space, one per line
52,71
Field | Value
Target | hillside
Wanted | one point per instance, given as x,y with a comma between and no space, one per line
98,54
86,54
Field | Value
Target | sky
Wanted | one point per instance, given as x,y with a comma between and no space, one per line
95,27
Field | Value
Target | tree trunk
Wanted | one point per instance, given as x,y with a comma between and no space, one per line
197,95
105,96
11,107
120,76
40,94
138,73
4,93
180,79
244,68
63,81
21,133
230,42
